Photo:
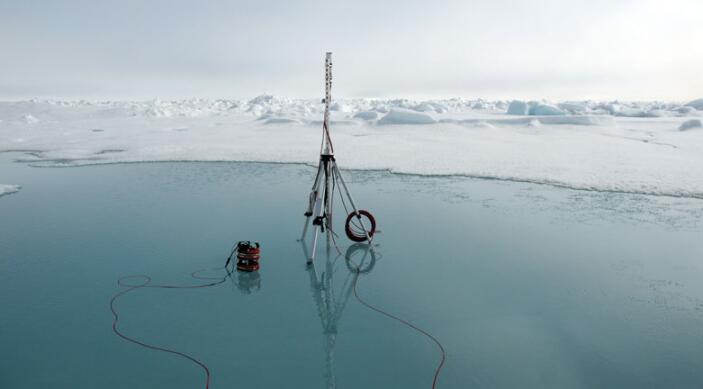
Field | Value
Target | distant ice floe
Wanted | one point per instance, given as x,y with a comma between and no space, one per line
541,109
691,124
570,120
534,123
584,120
366,115
30,119
697,104
615,108
517,107
280,120
635,147
340,107
534,108
405,116
684,110
573,108
7,189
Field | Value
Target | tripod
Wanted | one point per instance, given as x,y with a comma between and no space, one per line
327,179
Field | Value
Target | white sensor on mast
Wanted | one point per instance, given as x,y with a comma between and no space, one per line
326,147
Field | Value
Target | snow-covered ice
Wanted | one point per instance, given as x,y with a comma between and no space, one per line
622,146
7,189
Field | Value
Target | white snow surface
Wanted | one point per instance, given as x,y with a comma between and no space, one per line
633,147
7,189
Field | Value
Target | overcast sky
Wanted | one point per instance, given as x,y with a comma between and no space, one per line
554,49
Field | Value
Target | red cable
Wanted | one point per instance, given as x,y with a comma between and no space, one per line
145,284
405,322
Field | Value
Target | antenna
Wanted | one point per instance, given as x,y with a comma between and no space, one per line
327,147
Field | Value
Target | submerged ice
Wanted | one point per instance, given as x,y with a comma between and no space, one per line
645,147
7,189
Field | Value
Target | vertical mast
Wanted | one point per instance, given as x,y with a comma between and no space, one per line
320,201
326,140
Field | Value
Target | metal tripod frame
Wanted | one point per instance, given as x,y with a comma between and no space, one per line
320,205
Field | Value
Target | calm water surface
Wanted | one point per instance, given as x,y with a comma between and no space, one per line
525,285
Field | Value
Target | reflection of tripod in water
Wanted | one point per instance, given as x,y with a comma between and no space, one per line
360,224
329,306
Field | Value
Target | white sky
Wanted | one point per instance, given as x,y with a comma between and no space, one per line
140,49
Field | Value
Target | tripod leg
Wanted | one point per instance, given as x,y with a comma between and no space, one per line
319,209
318,212
309,213
314,245
312,200
305,228
316,183
327,205
351,200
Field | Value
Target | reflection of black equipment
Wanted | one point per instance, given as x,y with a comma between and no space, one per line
360,225
247,282
248,255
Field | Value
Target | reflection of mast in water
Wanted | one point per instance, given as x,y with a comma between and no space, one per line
329,307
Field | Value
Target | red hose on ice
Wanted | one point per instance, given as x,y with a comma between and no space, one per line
146,284
408,324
